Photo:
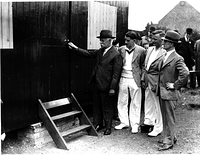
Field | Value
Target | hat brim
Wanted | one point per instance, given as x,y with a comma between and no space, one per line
163,38
105,37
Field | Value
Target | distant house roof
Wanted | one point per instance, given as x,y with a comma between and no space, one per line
182,16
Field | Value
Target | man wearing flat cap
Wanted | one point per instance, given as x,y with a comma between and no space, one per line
130,83
150,74
173,74
105,76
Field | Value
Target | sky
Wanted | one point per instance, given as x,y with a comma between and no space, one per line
142,12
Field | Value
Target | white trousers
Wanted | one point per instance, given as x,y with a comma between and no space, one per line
152,110
126,86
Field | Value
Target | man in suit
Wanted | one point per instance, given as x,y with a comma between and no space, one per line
186,48
173,74
105,76
130,83
152,112
197,56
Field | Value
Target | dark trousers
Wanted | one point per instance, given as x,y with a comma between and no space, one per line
169,118
103,108
198,80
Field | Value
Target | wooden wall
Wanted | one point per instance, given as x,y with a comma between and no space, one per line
40,65
6,24
100,16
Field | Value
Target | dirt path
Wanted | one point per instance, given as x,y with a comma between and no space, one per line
123,142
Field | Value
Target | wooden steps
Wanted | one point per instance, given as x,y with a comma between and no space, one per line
74,111
75,130
68,114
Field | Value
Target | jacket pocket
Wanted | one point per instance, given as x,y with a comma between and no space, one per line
168,94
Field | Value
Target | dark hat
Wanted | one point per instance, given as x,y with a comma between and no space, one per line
189,30
172,36
132,35
152,28
105,34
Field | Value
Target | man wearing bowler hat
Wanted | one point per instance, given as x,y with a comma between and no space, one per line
105,77
173,74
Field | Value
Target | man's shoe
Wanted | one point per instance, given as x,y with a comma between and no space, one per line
146,128
107,132
121,126
116,118
165,147
153,133
98,127
160,141
134,130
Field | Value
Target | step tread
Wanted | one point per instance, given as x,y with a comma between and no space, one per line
75,130
68,114
56,103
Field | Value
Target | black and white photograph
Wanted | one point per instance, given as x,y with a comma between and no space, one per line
100,77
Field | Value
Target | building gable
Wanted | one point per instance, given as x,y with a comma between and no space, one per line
183,15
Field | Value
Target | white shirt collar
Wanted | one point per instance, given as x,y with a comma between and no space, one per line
106,50
168,53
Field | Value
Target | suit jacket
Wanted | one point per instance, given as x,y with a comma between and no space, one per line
137,61
150,76
174,71
197,54
186,50
107,70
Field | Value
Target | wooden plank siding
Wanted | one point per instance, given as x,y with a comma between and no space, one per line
40,65
100,16
6,25
122,18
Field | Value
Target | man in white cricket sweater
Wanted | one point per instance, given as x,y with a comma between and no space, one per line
130,83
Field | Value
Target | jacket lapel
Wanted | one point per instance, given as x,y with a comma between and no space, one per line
160,54
107,53
148,55
135,53
169,59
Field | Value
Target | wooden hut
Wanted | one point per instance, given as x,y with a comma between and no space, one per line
35,62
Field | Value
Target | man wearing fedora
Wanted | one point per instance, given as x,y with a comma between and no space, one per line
105,76
173,74
130,83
